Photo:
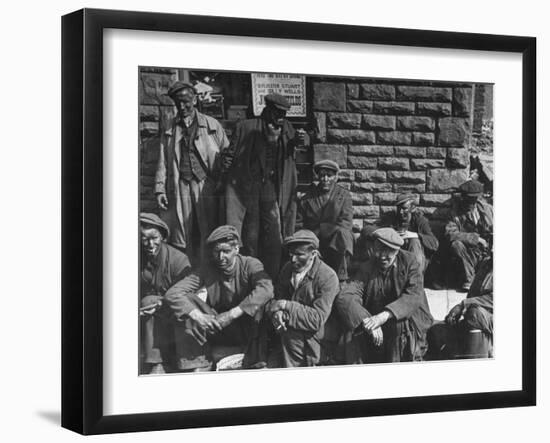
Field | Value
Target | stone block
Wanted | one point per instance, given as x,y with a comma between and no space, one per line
454,131
346,185
321,121
393,163
329,96
370,176
358,136
445,180
366,212
353,90
410,151
414,123
424,93
337,153
371,187
433,109
394,138
363,106
458,158
415,177
423,138
385,198
435,200
408,187
386,211
344,120
375,91
462,102
361,198
346,175
432,152
379,122
393,108
421,164
362,162
357,224
371,150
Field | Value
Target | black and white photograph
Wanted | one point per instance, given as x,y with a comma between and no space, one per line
290,220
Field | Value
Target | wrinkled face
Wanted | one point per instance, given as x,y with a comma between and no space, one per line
224,254
185,101
404,211
327,178
468,202
301,255
151,238
274,115
384,255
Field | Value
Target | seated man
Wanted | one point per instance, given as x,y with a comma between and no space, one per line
468,233
415,230
220,306
304,293
326,210
161,266
384,308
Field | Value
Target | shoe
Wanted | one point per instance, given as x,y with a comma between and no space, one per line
157,368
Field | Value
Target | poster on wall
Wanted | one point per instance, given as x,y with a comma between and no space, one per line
292,86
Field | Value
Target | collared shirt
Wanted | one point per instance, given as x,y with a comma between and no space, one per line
297,277
191,164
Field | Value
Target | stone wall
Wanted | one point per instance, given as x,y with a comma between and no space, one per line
394,136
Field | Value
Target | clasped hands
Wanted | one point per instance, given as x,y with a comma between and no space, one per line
373,326
150,304
211,324
279,316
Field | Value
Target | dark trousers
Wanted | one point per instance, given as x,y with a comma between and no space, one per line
157,338
414,246
257,217
464,260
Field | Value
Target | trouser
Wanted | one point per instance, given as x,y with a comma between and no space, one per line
299,348
464,261
157,338
334,252
257,218
193,217
414,246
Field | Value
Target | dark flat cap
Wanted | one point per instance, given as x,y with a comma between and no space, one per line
471,188
402,198
368,231
326,164
302,236
154,220
178,86
277,100
222,234
389,237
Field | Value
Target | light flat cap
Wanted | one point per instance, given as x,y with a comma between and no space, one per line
153,220
178,86
326,164
222,234
277,100
471,188
403,198
302,236
389,237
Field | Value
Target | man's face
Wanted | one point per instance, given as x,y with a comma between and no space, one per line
224,255
469,202
327,178
300,256
384,255
151,239
404,211
274,115
185,102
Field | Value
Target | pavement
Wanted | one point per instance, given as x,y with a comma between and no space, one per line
442,300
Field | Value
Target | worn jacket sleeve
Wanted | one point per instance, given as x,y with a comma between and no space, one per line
411,296
427,237
312,318
483,301
179,267
344,219
262,288
453,233
349,304
178,296
160,174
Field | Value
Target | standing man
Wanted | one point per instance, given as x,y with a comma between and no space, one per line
384,308
327,211
415,230
188,171
304,293
261,182
221,305
161,266
468,233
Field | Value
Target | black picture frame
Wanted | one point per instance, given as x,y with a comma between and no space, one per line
82,220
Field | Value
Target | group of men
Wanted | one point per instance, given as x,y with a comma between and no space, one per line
237,264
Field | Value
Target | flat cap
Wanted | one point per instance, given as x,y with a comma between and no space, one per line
402,198
155,221
471,188
302,236
223,233
326,164
178,86
277,100
368,231
389,237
